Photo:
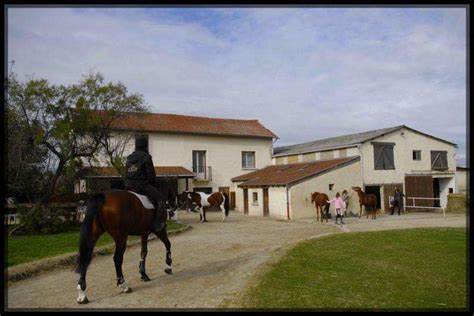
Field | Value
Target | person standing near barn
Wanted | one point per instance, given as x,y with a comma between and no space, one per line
397,200
345,198
141,176
338,204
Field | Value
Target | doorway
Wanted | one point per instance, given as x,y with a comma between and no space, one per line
266,210
374,189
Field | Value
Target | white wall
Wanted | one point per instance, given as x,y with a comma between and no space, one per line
342,178
255,209
223,154
402,152
277,202
461,181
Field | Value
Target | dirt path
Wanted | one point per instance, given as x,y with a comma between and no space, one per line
212,263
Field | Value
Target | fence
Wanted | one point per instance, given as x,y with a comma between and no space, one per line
414,199
13,218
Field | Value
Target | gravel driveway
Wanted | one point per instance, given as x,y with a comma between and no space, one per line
212,262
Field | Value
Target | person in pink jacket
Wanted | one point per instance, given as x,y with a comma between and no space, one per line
338,204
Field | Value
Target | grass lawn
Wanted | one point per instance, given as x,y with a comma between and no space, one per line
22,249
403,269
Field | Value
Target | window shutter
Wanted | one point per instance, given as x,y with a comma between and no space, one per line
378,157
435,157
388,157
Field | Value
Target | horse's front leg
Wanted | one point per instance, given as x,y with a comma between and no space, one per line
120,246
360,210
144,252
163,235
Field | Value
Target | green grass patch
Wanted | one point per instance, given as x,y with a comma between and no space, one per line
23,249
402,269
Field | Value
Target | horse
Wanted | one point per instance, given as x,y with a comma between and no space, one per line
320,201
201,199
366,200
169,188
120,213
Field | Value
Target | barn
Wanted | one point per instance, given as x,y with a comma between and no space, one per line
284,191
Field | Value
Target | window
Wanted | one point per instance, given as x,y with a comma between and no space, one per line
199,161
383,156
331,186
439,160
248,159
417,155
255,198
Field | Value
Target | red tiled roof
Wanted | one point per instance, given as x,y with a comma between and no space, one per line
160,122
290,173
161,171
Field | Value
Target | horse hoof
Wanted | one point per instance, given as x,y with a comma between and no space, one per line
83,301
168,271
127,290
145,278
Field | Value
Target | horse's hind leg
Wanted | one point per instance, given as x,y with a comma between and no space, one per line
163,235
144,252
223,212
120,246
97,231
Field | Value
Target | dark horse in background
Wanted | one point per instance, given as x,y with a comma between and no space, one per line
201,200
169,188
366,200
322,206
119,213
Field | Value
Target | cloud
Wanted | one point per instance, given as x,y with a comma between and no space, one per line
305,73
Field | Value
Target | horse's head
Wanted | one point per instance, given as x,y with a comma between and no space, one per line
357,189
313,196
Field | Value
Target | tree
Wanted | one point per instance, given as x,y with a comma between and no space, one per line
67,126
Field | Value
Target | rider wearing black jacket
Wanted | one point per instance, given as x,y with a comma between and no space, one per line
141,176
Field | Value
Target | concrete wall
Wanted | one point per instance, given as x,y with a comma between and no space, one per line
277,202
342,178
255,209
313,156
461,181
223,155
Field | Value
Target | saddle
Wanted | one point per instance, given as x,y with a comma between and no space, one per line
146,201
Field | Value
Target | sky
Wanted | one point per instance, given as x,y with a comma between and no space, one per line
306,73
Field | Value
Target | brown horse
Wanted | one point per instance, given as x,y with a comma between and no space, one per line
200,200
119,213
322,206
365,200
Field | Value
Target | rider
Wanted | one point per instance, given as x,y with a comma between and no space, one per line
141,176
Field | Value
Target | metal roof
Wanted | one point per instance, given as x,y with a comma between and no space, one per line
344,141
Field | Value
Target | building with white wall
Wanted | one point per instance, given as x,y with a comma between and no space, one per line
421,165
203,152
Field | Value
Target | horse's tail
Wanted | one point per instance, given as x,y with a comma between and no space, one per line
226,203
86,244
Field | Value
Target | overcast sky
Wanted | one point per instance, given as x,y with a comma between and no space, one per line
304,73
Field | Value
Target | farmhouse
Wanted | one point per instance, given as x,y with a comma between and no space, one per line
421,165
284,191
203,152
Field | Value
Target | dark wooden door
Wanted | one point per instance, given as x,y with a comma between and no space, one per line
232,200
419,186
266,210
389,190
226,190
246,201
